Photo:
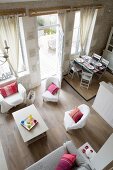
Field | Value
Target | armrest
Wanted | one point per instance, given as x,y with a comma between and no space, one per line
1,98
22,90
4,105
71,148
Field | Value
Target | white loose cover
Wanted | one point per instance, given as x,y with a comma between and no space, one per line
69,122
8,102
47,96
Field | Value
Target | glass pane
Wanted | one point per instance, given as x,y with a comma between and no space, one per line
47,20
21,66
5,72
111,41
76,35
77,19
110,48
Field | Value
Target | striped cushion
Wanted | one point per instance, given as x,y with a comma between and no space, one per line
76,115
9,89
67,161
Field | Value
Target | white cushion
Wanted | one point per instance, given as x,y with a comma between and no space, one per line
14,99
47,96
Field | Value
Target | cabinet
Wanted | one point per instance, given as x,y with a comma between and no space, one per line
108,52
104,107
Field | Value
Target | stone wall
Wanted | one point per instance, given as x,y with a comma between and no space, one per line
104,19
102,28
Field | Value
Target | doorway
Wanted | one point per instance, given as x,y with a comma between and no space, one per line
47,40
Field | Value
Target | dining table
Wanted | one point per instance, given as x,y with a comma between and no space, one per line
89,64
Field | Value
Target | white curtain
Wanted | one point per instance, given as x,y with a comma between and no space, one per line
86,17
60,44
9,31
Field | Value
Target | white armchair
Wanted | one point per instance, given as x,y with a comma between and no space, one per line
47,96
8,102
69,122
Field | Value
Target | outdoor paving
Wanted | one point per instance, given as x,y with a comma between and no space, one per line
48,59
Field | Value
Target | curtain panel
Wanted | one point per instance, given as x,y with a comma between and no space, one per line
60,44
9,32
86,18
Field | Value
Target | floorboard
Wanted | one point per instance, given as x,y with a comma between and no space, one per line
19,156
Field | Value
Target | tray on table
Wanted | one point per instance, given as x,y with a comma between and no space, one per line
29,122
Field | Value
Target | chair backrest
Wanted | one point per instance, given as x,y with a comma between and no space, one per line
54,80
84,109
104,62
87,75
96,57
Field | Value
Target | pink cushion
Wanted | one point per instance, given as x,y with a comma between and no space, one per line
74,111
76,115
9,89
66,162
53,89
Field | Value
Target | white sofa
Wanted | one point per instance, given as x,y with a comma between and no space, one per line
51,161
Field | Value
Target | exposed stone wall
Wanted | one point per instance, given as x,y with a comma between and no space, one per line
103,24
104,19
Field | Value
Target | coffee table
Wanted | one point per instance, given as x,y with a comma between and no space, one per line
36,132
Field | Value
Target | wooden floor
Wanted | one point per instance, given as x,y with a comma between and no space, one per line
19,156
93,88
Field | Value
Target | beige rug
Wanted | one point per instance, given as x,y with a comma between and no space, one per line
90,93
3,164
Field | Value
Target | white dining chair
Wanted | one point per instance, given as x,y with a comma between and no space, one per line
86,79
105,63
74,68
96,57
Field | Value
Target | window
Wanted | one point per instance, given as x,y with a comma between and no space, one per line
75,48
5,70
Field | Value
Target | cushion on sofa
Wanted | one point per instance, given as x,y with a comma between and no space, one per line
9,89
66,162
80,161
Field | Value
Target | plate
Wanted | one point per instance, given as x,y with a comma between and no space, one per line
80,60
89,66
98,64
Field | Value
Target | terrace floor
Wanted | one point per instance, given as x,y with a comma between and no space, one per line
48,59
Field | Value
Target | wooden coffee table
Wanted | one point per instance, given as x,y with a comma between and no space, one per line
36,132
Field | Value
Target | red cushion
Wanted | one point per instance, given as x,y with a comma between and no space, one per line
73,112
53,89
9,89
76,115
66,162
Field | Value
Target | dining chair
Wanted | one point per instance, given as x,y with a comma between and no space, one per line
86,79
74,68
96,57
105,63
